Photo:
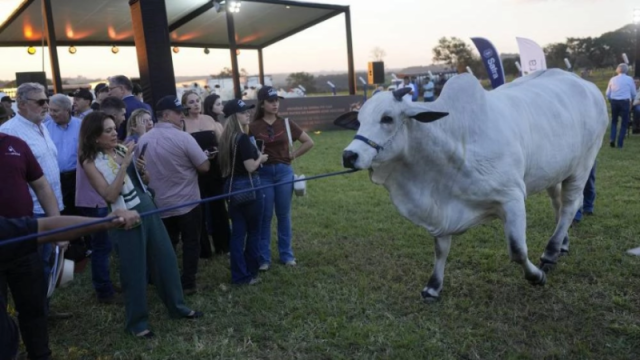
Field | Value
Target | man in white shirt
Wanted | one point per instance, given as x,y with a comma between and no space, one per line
406,83
429,87
27,125
621,91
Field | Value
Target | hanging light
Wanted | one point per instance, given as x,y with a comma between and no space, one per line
176,49
115,49
72,50
206,51
31,50
234,6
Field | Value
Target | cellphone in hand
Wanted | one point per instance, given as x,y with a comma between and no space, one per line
144,149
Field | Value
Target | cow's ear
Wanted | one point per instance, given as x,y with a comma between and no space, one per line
428,116
348,121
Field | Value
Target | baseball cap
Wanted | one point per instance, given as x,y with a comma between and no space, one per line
83,94
101,87
235,106
268,93
169,102
6,98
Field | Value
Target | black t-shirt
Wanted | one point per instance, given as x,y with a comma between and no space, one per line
245,151
9,229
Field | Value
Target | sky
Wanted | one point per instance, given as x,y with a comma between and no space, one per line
406,29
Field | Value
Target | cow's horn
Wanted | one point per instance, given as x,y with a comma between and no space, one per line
398,94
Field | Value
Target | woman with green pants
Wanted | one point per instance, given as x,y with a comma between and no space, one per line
147,246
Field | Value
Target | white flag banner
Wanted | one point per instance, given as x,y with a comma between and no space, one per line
531,56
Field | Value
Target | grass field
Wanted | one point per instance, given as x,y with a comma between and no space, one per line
356,291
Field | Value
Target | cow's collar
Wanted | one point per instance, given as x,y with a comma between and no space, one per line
374,144
369,142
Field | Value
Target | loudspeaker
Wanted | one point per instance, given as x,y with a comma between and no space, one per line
376,72
34,76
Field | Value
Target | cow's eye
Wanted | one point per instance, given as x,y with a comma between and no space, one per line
386,120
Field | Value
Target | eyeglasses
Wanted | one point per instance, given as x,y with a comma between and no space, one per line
40,102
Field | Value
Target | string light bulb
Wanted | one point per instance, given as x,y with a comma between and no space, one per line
72,50
115,49
31,50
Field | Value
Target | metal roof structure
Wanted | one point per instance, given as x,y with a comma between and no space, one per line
191,23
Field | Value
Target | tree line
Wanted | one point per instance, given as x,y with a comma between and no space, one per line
584,53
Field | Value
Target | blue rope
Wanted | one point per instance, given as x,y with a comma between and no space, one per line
161,210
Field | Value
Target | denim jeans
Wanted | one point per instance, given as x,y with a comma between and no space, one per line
278,197
619,108
246,221
589,194
101,246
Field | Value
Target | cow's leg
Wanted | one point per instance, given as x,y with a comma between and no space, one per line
431,292
571,200
515,227
555,193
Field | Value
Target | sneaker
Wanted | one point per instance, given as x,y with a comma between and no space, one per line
255,281
291,263
264,267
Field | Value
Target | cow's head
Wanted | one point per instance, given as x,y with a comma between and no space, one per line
379,124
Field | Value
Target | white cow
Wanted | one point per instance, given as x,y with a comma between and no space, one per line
485,154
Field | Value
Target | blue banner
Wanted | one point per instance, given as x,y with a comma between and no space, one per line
491,60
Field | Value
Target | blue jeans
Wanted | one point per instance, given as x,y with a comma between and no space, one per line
246,221
619,108
589,194
278,197
101,246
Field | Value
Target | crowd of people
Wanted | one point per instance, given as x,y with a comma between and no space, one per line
107,153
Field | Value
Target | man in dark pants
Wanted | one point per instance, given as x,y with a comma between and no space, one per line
621,91
24,274
173,160
12,253
589,196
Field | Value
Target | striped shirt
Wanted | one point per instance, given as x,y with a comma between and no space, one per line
45,151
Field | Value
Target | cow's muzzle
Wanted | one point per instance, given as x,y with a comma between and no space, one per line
349,159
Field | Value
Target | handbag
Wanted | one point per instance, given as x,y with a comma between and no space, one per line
246,197
299,187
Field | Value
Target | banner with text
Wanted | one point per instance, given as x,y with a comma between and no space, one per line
316,112
531,56
491,59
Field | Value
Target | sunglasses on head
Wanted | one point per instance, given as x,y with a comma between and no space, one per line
40,102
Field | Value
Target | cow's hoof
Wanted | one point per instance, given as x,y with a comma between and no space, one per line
429,296
547,266
540,281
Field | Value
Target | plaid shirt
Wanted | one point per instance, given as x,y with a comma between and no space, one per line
45,151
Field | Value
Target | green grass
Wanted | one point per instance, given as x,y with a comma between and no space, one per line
356,291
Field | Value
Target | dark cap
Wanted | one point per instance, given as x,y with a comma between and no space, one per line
83,94
235,106
169,102
6,98
101,87
268,93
